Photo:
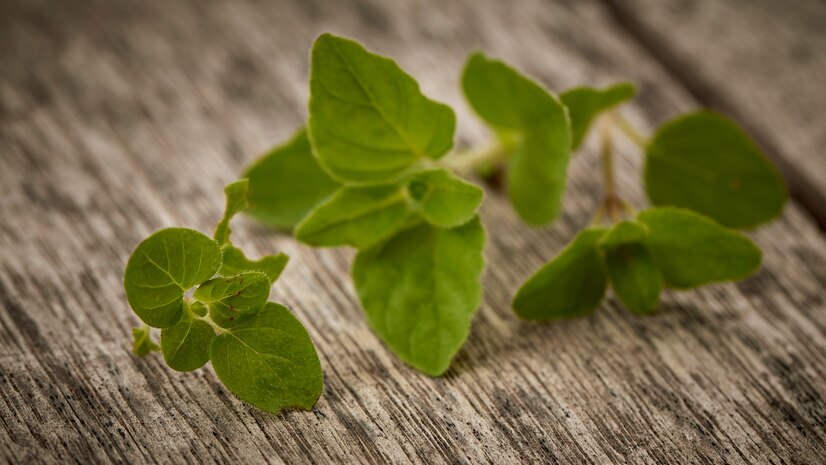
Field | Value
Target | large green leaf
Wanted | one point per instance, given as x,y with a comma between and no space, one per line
420,290
690,249
356,216
537,132
231,298
269,361
443,199
369,122
163,267
572,284
631,269
185,345
286,183
705,162
585,103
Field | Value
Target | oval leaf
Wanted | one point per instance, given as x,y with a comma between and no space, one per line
537,121
705,162
269,361
572,284
368,120
185,345
230,298
236,262
162,267
690,249
356,216
421,289
443,199
585,103
286,183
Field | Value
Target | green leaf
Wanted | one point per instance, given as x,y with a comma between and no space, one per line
230,298
162,267
705,162
269,361
572,284
631,269
523,111
142,341
236,262
236,194
356,216
286,183
443,199
537,173
369,122
690,249
420,290
585,103
185,345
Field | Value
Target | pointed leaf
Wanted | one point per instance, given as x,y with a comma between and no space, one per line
443,199
369,122
236,194
231,298
572,284
420,290
585,103
705,162
236,262
269,361
286,183
356,216
162,267
690,249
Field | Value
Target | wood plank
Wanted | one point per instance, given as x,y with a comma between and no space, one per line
760,61
117,119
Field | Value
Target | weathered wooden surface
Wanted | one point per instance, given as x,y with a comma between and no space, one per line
763,62
117,119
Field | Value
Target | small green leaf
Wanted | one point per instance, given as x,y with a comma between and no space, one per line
705,162
420,290
236,194
230,298
631,269
142,341
185,345
356,216
572,284
369,122
286,183
198,308
236,262
537,173
537,130
162,267
585,103
269,361
443,199
690,249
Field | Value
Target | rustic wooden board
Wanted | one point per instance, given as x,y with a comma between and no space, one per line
117,119
763,62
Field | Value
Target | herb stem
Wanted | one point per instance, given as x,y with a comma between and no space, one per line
612,204
467,161
629,130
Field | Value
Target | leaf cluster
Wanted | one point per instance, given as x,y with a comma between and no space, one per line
258,349
374,170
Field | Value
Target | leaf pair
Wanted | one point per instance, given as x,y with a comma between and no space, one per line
663,247
261,352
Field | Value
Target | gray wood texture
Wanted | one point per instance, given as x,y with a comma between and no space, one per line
119,118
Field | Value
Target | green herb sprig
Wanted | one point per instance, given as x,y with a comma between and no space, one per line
374,170
258,349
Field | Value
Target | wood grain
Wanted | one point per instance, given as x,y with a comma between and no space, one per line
762,62
119,118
